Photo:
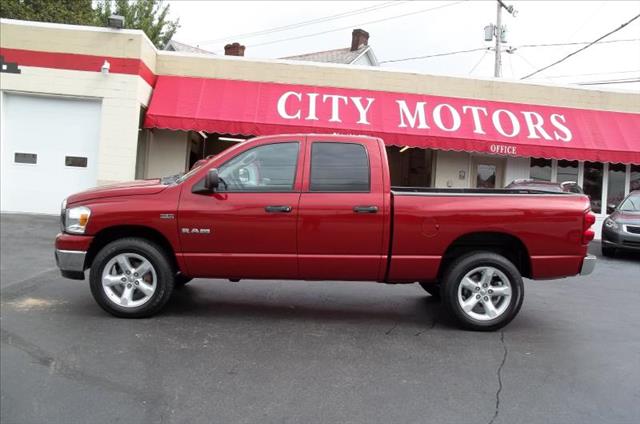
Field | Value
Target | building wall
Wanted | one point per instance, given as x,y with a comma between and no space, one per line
167,153
452,169
516,168
122,95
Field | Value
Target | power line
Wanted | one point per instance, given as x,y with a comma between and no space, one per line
583,48
576,43
360,24
478,63
513,49
305,23
435,55
616,81
593,74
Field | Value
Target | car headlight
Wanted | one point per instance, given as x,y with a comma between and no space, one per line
610,223
76,219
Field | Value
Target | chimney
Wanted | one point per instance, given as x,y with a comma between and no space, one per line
235,49
359,38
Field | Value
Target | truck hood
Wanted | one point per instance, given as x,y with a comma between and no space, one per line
131,188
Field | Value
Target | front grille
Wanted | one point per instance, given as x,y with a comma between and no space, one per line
631,243
633,229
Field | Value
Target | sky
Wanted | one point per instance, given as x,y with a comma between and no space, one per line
404,29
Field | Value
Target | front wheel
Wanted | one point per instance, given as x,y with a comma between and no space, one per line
483,291
131,278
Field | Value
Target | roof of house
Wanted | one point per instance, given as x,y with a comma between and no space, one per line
177,46
345,55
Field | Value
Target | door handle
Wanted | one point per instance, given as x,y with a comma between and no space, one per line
278,209
365,209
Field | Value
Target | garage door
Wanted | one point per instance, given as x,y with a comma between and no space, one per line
49,150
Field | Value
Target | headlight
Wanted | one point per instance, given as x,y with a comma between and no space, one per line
76,219
610,223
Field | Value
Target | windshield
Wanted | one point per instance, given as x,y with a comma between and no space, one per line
631,204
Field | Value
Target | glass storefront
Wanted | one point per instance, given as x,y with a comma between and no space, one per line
567,171
540,169
593,174
634,183
615,185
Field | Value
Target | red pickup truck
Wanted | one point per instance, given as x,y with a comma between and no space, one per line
320,207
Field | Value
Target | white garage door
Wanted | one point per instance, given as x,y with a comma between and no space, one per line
49,150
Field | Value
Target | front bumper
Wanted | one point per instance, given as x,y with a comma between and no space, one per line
588,264
71,263
620,238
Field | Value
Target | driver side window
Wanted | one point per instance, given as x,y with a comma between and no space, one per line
268,168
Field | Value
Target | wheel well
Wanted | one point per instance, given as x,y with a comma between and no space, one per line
110,234
503,244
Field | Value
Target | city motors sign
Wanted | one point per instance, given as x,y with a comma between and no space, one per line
426,115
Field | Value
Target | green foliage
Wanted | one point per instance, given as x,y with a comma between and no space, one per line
151,16
147,15
78,12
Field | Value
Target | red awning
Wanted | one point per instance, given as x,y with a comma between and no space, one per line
401,119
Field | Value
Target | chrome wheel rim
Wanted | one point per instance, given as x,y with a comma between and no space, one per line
129,280
484,293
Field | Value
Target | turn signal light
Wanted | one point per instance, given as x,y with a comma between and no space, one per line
587,233
84,218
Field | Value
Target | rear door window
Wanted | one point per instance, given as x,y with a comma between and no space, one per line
339,167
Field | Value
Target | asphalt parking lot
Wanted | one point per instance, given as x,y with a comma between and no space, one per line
298,352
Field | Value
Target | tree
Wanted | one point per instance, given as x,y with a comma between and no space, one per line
151,16
147,15
77,12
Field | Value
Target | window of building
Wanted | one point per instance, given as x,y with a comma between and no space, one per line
593,173
615,185
30,158
567,171
342,167
634,182
267,168
540,169
76,161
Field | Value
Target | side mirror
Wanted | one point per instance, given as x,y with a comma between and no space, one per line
611,207
212,180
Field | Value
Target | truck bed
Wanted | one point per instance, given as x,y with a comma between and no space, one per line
426,221
468,191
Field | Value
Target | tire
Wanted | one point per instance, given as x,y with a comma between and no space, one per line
131,278
180,280
464,280
609,252
432,289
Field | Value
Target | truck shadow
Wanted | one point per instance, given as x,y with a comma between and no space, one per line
199,301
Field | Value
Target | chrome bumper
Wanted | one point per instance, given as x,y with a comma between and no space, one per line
70,260
588,264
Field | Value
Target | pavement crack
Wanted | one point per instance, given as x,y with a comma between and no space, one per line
58,366
499,373
389,331
433,324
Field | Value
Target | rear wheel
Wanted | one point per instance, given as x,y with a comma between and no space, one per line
483,291
432,289
131,278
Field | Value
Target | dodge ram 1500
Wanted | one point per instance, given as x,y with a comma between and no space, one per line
320,207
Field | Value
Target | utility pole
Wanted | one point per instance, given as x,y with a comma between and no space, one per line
497,68
498,31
